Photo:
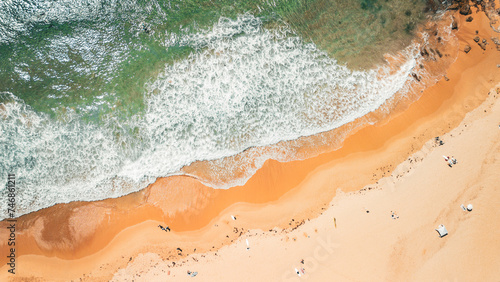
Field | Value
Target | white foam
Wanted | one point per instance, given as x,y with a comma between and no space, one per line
247,86
57,161
254,89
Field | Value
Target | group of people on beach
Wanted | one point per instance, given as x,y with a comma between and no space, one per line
439,141
394,215
451,161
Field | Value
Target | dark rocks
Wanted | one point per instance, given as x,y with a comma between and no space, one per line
469,19
415,76
424,53
479,4
465,9
454,24
483,44
461,5
496,42
467,49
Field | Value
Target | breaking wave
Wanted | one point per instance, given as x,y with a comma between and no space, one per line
244,86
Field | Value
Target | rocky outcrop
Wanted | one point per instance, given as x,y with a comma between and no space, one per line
454,23
461,5
465,9
483,44
494,16
496,41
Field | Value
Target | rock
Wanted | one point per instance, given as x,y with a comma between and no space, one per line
483,44
454,24
415,76
497,42
424,52
476,39
467,48
465,9
454,6
469,19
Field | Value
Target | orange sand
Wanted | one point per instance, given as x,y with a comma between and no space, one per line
93,240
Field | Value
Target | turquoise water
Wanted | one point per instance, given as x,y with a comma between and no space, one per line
100,97
105,54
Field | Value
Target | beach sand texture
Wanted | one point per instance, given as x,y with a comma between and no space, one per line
333,211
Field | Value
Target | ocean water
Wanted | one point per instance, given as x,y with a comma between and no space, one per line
99,98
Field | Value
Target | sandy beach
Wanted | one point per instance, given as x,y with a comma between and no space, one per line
333,211
357,239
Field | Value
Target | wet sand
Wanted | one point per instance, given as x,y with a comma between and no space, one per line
357,239
94,240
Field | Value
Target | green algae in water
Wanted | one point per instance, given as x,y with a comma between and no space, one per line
357,33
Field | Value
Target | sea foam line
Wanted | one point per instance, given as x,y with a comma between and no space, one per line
246,86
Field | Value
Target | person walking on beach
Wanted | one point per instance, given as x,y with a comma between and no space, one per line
166,229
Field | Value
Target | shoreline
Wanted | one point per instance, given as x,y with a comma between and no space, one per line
357,239
440,109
